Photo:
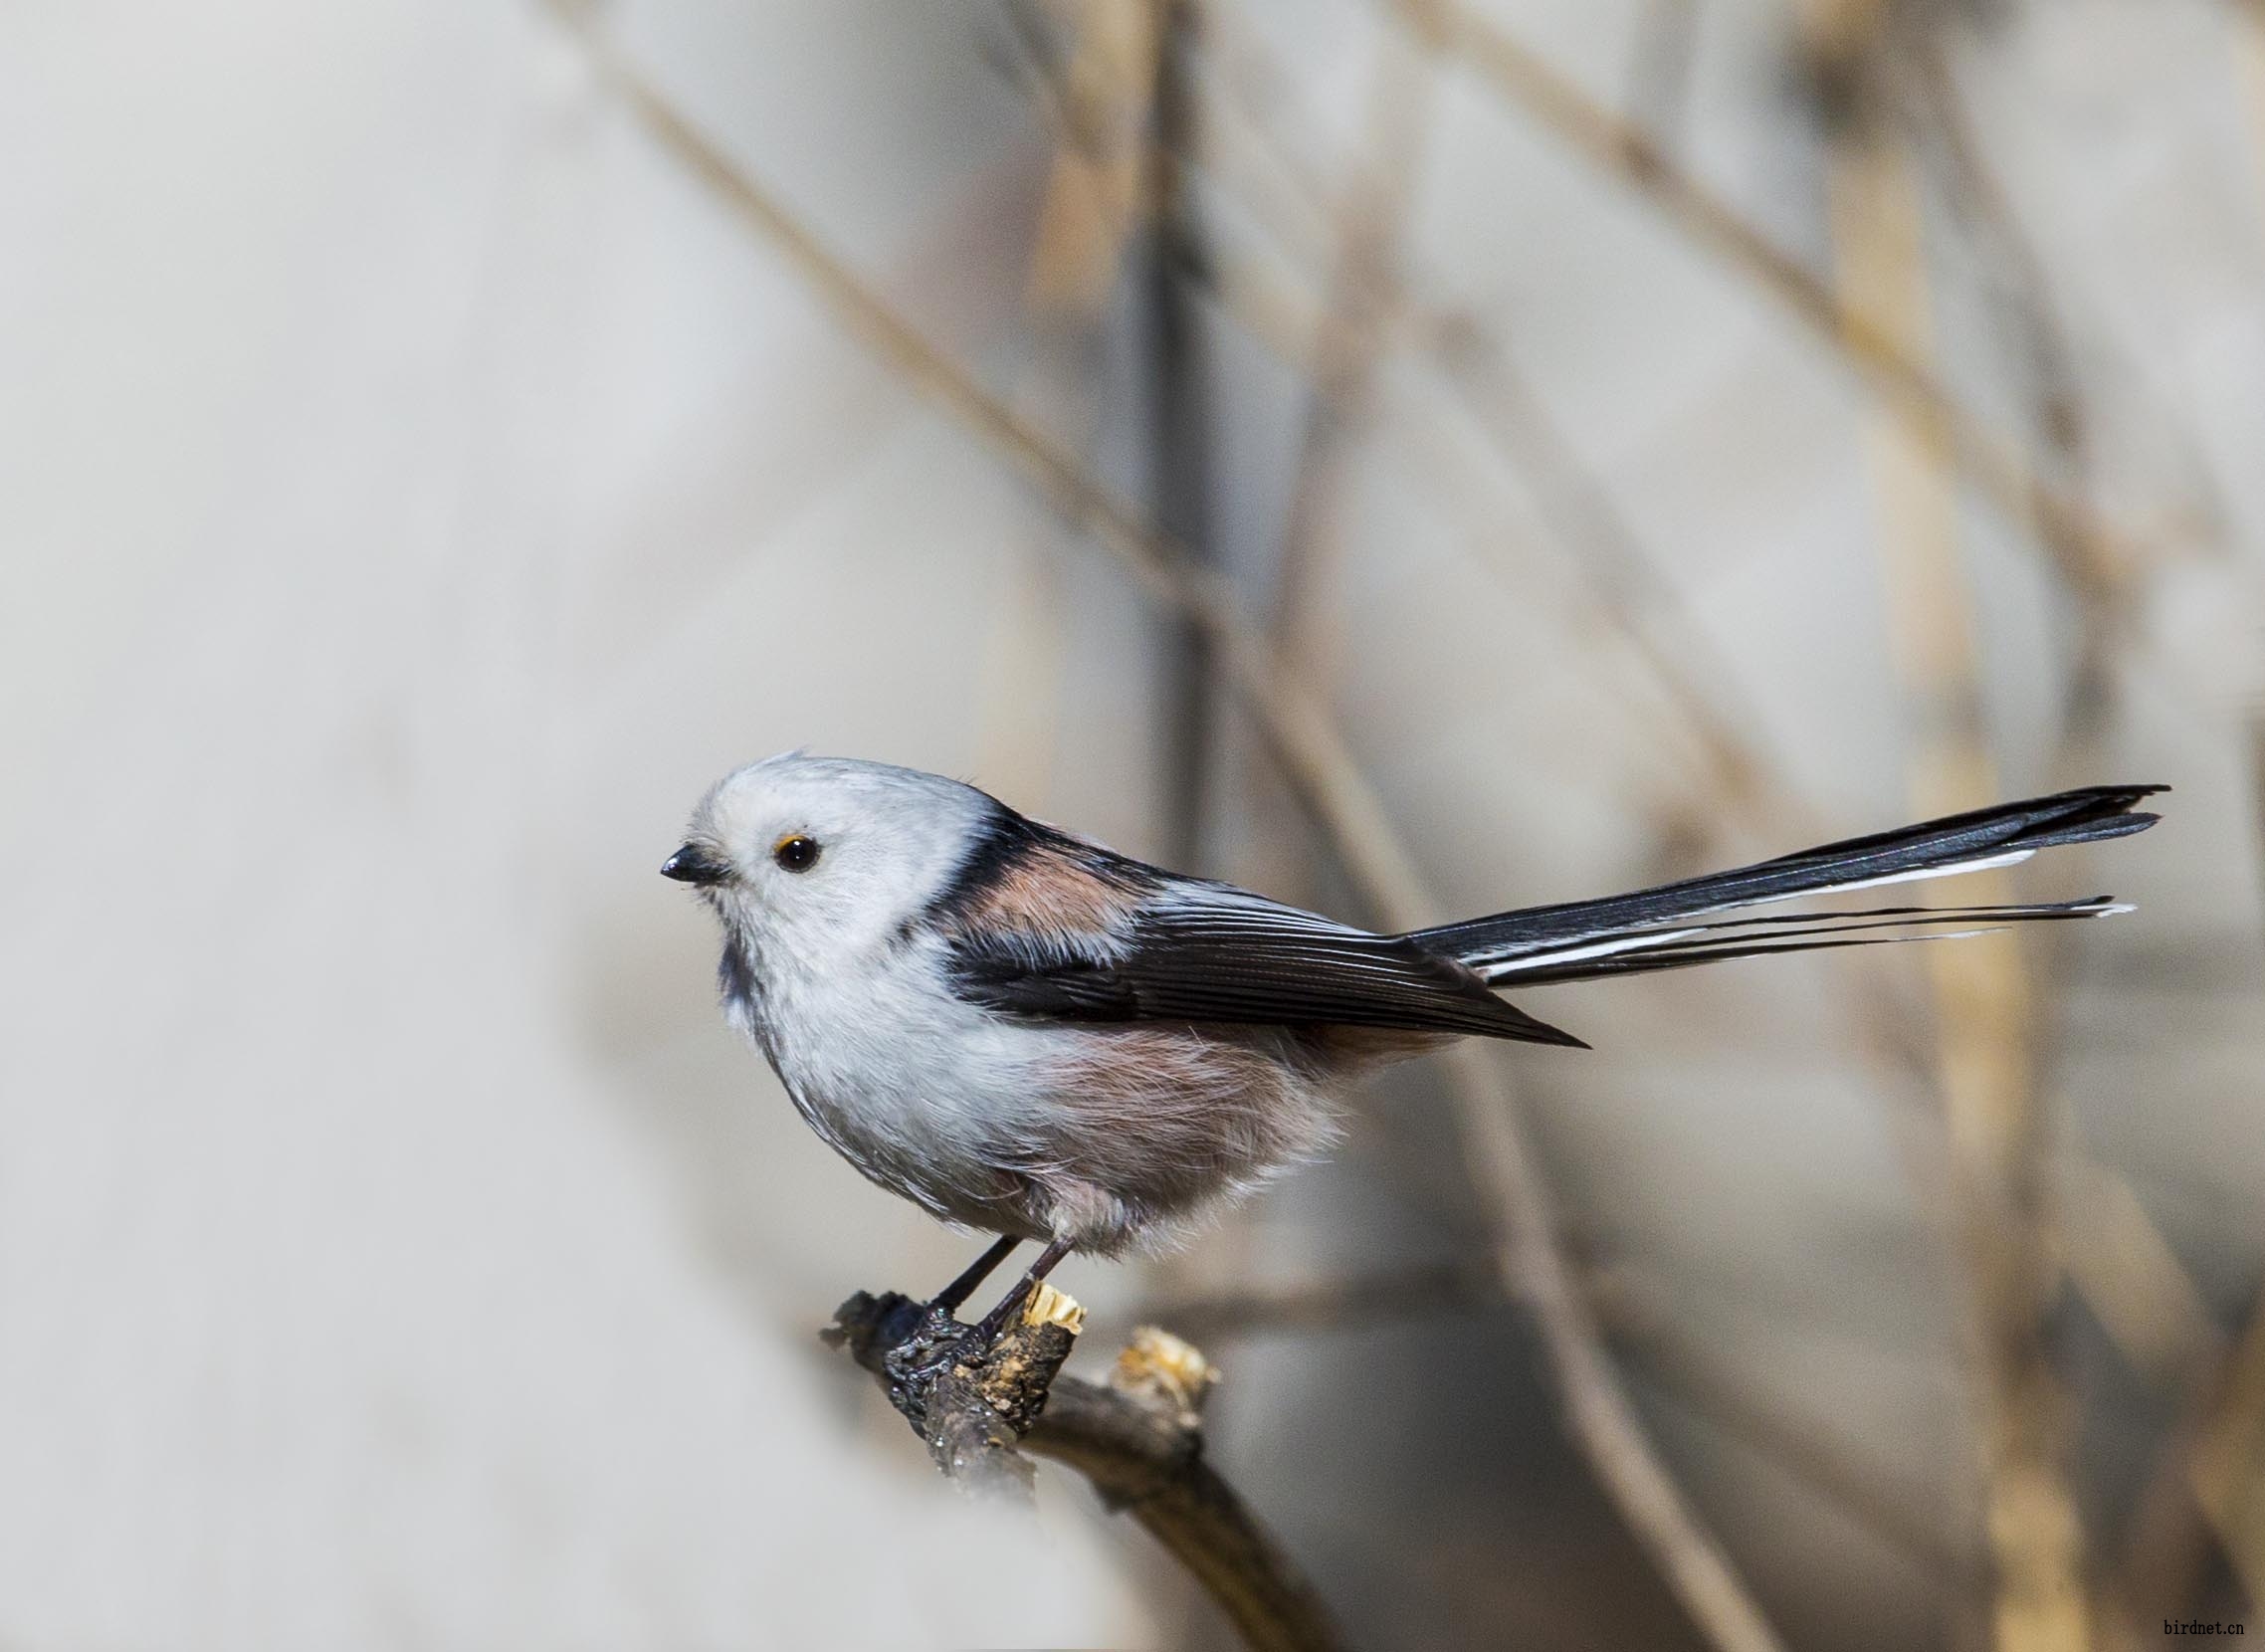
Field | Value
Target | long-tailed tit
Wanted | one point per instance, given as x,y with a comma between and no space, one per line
1029,1034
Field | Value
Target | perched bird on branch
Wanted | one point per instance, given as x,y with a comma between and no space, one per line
1032,1035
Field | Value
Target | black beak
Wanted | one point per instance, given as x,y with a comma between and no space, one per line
694,865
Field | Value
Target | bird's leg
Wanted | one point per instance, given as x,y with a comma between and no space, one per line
936,1342
987,1329
925,1337
949,1299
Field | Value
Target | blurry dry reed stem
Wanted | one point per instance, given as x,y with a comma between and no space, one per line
1604,1420
2090,553
1582,511
2122,1264
2220,1447
2118,1261
2123,1267
1322,772
2021,288
2208,1480
1096,92
1181,450
2141,1304
1362,229
1352,1302
2134,1281
1360,295
1099,95
1691,1377
1928,86
2209,1474
1106,76
1631,593
1729,1399
1999,1126
2024,290
1658,69
2231,1435
2227,1463
1182,443
2115,1257
2021,284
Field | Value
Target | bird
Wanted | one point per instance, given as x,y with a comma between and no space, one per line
1029,1034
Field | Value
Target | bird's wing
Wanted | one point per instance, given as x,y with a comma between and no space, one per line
1210,952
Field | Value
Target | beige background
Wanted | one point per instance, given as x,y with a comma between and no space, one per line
416,489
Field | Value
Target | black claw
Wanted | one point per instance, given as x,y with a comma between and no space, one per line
923,1351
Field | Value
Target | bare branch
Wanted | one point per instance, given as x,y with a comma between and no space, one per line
1138,1438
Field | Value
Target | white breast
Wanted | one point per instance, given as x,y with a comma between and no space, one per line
927,1094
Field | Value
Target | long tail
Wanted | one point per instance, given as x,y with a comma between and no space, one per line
1656,928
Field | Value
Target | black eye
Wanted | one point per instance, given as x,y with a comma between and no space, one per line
796,853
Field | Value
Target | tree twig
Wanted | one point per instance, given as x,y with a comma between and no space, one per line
1138,1437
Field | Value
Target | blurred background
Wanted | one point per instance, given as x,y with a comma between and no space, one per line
1415,457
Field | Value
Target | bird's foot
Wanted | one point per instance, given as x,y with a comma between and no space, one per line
910,1343
934,1343
914,1346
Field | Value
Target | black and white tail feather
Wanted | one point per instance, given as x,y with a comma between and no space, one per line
1675,927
